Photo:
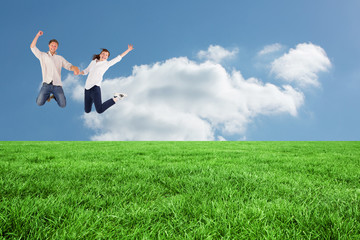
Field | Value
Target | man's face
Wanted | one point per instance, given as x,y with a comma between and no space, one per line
52,47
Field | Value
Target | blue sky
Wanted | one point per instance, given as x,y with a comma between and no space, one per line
199,69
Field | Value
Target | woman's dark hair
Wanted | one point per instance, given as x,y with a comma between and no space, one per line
54,40
97,56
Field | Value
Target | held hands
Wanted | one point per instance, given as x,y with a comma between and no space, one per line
76,70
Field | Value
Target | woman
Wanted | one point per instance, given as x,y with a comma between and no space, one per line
96,69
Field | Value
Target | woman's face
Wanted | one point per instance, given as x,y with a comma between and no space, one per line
104,56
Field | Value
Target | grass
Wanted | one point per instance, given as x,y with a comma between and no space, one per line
179,190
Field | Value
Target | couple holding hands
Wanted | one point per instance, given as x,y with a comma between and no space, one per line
51,65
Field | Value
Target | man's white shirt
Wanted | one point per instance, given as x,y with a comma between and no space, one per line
51,66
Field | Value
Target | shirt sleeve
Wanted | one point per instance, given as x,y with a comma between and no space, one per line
36,52
65,64
86,70
114,60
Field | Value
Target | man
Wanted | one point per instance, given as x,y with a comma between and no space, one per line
51,65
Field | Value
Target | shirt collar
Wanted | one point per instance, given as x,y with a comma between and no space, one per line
51,54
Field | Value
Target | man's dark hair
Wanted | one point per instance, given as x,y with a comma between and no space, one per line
54,40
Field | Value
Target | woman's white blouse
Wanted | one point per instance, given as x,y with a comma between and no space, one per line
96,70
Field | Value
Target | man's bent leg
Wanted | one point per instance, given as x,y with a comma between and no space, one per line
59,96
44,94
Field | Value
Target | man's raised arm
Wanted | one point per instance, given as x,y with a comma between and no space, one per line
33,44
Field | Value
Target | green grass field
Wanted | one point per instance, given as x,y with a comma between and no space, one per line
180,190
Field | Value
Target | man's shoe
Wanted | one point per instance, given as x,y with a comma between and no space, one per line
52,96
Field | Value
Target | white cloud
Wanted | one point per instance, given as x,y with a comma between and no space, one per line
73,87
270,49
180,99
302,65
216,54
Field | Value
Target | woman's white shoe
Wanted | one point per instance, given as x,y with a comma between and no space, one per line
119,96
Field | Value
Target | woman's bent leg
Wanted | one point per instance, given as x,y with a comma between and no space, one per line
100,107
88,101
